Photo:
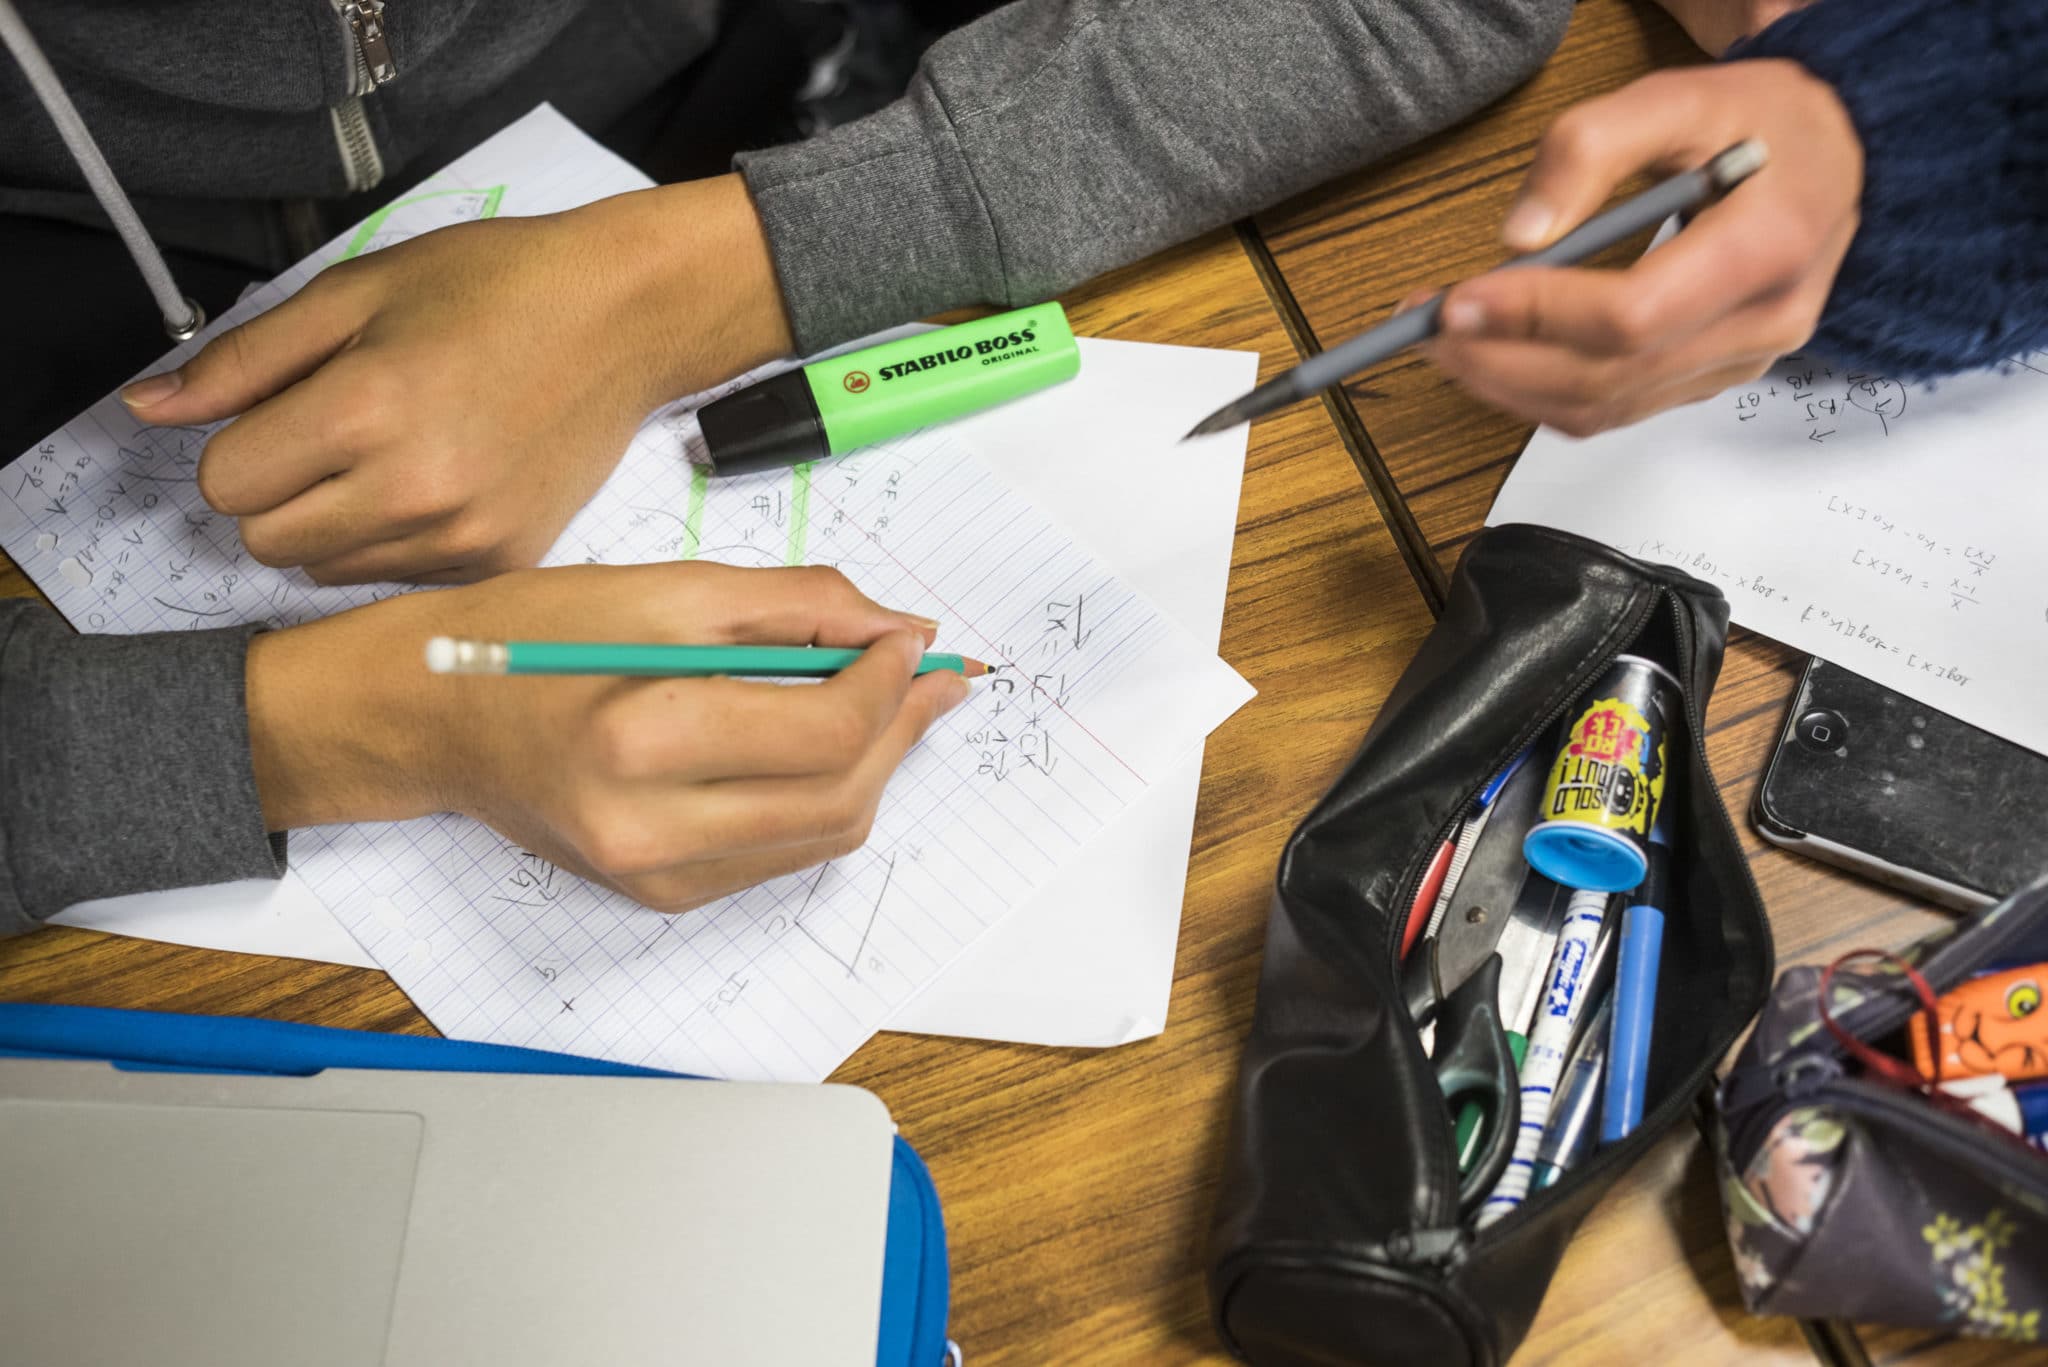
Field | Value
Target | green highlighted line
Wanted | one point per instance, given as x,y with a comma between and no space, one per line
799,513
374,224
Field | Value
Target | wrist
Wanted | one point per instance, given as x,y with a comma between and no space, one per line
337,729
702,279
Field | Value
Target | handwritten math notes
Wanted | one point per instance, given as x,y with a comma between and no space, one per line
1891,529
1095,694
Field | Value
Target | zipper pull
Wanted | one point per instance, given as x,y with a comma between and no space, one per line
366,22
1806,1073
1442,1249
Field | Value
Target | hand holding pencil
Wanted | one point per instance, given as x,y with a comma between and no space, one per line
1584,350
672,790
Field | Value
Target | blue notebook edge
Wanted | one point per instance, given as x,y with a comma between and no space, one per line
916,1287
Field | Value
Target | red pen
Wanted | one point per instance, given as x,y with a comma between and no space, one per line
1430,903
1426,895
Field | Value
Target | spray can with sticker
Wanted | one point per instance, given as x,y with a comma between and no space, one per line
1606,784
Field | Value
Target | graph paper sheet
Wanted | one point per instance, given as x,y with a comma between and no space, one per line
1096,692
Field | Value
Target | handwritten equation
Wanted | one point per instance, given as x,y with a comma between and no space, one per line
786,978
1822,614
122,540
1815,395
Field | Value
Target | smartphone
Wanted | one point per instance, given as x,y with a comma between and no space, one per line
1874,782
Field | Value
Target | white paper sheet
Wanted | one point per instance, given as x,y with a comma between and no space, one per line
278,916
1890,529
494,944
1089,961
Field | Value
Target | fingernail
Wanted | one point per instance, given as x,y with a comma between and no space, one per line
927,624
1463,315
155,389
957,690
1526,224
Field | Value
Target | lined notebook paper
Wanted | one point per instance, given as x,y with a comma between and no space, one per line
1096,693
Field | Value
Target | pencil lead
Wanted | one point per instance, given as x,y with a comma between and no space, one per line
1222,419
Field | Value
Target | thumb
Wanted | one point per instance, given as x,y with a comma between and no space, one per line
1663,122
246,365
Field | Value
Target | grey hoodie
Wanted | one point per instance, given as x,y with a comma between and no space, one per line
1037,147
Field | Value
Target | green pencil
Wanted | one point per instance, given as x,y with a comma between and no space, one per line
446,655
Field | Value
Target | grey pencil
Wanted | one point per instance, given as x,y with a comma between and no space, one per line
1680,194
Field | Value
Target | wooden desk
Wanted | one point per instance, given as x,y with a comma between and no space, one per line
1078,1185
1649,1278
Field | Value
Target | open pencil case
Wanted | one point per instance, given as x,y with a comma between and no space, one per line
1849,1196
1337,1236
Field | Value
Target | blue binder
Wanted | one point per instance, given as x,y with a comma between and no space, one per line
915,1283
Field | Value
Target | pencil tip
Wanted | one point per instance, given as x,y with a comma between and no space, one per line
973,668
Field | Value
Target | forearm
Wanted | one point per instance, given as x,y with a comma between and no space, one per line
1055,139
335,729
124,765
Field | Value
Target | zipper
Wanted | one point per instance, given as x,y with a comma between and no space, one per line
1999,1154
1803,1075
1884,1012
372,66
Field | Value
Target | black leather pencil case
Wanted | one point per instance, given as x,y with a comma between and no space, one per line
1337,1237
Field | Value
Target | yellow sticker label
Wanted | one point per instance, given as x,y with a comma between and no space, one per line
1609,771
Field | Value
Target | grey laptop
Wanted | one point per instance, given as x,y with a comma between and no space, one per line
431,1219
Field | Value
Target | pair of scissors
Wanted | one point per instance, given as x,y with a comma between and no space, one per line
1469,985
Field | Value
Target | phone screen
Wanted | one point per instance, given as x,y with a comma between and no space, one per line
1866,777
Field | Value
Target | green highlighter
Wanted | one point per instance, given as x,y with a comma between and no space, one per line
833,406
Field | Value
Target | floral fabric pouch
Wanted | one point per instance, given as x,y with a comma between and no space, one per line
1852,1189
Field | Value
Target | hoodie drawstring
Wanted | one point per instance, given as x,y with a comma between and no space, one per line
182,317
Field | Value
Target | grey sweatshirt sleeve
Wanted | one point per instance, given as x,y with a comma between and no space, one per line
124,765
1055,139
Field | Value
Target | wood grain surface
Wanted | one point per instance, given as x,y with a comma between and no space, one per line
1077,1184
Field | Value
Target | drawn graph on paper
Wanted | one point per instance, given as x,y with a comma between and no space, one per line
1094,692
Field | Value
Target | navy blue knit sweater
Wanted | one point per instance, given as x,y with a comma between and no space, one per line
1949,270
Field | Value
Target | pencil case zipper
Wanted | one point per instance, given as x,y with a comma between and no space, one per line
1445,1244
1980,1148
1758,1097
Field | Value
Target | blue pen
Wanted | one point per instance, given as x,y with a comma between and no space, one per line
2033,1100
1635,995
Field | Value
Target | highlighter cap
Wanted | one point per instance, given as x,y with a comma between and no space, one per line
771,425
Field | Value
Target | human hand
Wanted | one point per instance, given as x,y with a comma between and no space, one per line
438,410
1584,350
1716,24
671,791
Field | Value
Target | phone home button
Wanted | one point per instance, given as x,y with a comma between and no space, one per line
1822,731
